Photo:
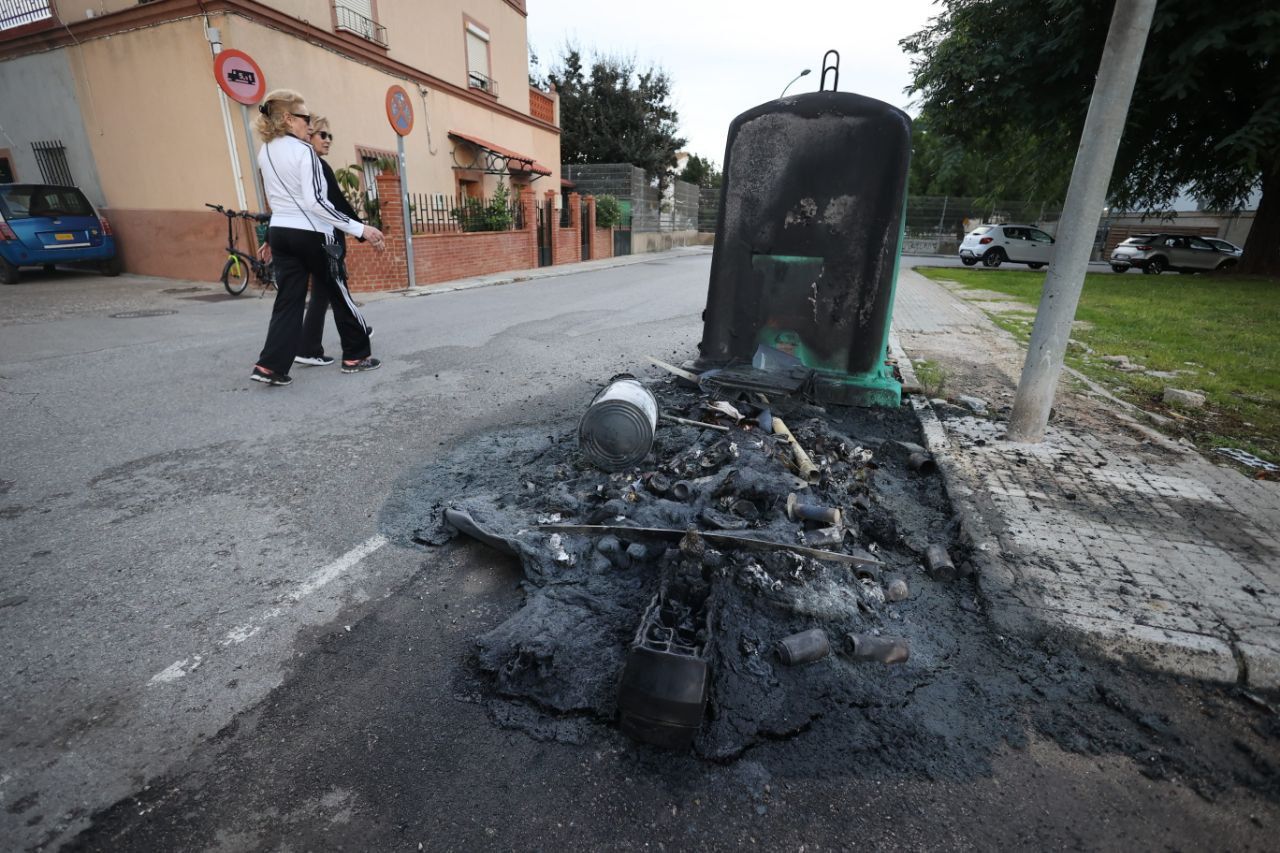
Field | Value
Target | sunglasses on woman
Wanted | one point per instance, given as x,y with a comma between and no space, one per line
302,116
325,135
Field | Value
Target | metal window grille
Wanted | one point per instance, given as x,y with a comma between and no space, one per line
437,213
51,157
16,13
355,16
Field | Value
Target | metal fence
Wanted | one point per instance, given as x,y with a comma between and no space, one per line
937,224
650,209
437,213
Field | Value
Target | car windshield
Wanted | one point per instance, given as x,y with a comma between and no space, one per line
29,201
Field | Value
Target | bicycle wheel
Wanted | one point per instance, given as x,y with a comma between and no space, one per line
235,276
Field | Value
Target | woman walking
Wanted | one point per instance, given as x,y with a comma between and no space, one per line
301,240
311,350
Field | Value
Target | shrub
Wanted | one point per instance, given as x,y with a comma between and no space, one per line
608,211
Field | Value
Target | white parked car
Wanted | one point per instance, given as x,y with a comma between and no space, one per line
995,244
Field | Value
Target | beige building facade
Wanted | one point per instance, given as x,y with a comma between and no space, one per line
128,91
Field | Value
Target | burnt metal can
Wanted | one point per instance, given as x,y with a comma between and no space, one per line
804,647
616,431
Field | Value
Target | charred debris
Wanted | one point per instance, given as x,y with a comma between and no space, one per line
709,561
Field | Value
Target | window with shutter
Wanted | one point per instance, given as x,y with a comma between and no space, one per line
478,59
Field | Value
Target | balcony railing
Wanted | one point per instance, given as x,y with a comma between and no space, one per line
476,80
17,13
351,21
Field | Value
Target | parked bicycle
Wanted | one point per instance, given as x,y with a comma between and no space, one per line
235,273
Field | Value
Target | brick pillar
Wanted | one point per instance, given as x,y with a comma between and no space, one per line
389,270
529,204
553,226
590,225
575,222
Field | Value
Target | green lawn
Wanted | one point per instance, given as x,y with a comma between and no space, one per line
1224,331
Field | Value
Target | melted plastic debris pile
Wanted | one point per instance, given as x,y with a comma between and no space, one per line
563,653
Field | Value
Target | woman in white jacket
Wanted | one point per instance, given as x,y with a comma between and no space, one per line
302,227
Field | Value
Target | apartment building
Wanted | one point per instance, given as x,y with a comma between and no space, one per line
120,98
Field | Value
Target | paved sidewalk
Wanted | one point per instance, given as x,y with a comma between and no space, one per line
1142,550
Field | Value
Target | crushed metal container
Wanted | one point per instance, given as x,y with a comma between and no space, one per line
808,238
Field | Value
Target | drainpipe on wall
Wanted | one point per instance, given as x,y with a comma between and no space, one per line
215,46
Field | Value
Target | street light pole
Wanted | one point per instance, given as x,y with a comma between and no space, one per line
1095,159
788,86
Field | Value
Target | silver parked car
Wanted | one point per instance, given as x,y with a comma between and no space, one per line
1224,246
995,244
1155,253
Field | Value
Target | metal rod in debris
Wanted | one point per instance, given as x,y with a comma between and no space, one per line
731,540
804,465
688,422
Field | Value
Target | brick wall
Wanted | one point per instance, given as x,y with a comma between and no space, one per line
439,257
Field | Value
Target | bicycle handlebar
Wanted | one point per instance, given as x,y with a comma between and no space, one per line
243,214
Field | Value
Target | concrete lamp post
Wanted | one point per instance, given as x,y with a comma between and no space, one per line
797,77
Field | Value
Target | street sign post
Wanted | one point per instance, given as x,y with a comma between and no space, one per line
400,114
243,81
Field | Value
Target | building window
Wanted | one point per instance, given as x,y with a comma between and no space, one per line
17,13
479,69
6,167
360,18
374,162
51,157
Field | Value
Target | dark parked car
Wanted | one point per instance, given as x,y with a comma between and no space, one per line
1155,253
44,225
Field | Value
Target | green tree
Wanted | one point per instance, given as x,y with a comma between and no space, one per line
998,77
701,172
615,113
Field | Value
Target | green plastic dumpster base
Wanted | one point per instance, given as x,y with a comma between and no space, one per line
789,286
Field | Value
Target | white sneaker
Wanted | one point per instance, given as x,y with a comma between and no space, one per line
314,360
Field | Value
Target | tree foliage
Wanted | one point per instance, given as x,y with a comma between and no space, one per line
615,113
1012,79
701,172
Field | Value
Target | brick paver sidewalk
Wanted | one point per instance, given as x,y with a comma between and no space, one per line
1139,549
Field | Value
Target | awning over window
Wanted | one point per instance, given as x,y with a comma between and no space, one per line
493,159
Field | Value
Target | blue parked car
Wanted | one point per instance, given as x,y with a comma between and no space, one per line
44,225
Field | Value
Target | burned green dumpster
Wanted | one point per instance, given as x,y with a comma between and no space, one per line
807,241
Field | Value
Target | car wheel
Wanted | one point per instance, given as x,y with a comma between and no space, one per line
1155,266
968,262
8,272
1120,268
110,268
1036,266
1226,265
994,258
50,267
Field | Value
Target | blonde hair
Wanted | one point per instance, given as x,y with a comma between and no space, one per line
318,123
274,111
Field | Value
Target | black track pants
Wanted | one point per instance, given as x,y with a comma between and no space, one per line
299,254
313,324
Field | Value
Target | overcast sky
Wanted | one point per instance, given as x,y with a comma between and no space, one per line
725,57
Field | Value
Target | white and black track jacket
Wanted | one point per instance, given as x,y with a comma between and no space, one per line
296,189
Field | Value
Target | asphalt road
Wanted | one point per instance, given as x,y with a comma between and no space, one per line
203,621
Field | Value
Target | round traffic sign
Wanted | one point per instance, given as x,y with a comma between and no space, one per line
239,76
399,110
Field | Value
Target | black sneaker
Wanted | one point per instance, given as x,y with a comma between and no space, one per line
314,360
361,366
260,375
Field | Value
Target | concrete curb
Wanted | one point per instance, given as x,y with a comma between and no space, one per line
1015,606
517,276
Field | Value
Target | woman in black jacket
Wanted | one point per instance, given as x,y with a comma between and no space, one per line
311,350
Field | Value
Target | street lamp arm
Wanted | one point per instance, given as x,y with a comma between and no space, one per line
797,77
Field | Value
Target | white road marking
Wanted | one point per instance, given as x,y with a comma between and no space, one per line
318,579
